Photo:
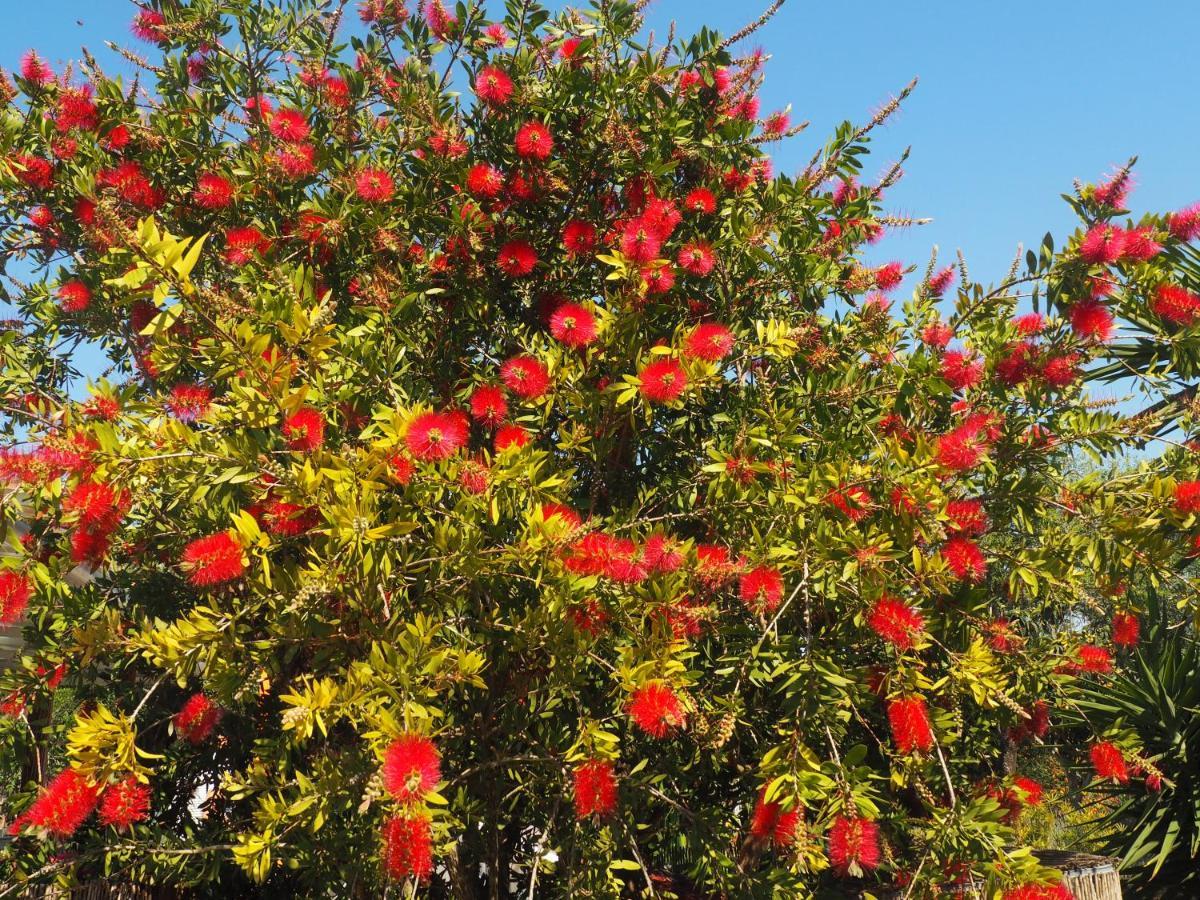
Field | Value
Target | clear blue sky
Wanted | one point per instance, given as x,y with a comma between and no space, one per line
1016,99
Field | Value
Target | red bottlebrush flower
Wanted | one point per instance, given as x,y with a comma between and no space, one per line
1091,320
961,370
525,376
511,437
296,161
484,181
148,26
853,845
1126,629
100,407
761,589
700,200
1030,324
967,516
574,325
197,718
1115,191
579,238
34,171
242,245
62,807
1060,371
411,768
401,467
15,591
42,218
304,430
1002,638
661,554
131,184
963,448
435,436
854,502
516,259
74,110
1102,245
964,558
390,13
488,405
909,719
88,546
595,789
473,476
214,559
189,402
534,141
590,554
889,276
290,125
1187,497
776,124
1094,659
493,86
124,803
713,566
663,381
1019,363
624,563
659,279
896,622
1031,791
74,296
709,341
640,241
35,70
1039,892
655,708
98,507
1109,762
1140,245
937,335
374,185
213,191
696,258
770,823
564,514
1185,224
940,281
1176,305
408,847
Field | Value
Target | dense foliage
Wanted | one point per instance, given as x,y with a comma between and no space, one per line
504,483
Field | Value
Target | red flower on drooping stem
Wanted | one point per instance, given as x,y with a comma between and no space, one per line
15,591
896,622
493,86
408,846
534,141
964,558
709,342
595,789
909,720
853,845
1109,761
525,376
62,806
573,325
1126,629
770,823
488,405
761,589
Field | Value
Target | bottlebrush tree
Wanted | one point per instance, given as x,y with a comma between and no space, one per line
505,484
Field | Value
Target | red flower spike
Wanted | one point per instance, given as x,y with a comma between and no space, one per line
124,803
896,622
197,718
709,342
770,823
655,709
304,430
761,589
663,381
15,591
214,559
595,789
411,768
964,558
525,376
909,719
408,847
62,806
488,405
1109,762
1126,629
435,436
534,141
573,325
493,86
853,845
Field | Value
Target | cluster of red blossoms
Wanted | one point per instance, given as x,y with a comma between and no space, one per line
70,798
